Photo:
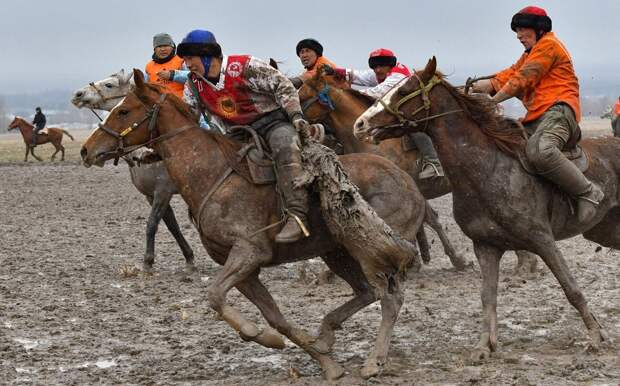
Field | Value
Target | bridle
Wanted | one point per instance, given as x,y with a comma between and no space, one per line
321,97
424,92
154,137
103,97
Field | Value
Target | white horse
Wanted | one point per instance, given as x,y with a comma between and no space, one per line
152,180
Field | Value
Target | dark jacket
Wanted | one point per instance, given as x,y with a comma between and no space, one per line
39,120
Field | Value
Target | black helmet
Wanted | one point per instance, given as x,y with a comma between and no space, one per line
310,44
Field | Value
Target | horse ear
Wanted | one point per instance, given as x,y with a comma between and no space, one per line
429,70
138,77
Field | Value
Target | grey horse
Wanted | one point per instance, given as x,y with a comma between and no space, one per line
152,180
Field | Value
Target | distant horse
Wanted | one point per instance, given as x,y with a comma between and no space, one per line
229,212
53,135
152,180
329,100
496,202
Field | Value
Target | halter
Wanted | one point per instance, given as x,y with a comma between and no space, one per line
424,91
323,98
150,115
103,97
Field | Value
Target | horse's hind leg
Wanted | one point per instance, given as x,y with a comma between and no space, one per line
552,256
391,303
424,247
34,155
60,148
432,219
173,226
256,292
526,262
349,270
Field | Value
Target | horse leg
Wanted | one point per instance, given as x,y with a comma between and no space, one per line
58,147
173,226
256,292
424,247
552,256
432,219
526,263
488,258
391,303
27,151
34,155
159,203
349,270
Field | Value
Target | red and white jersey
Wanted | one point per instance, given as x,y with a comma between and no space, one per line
367,78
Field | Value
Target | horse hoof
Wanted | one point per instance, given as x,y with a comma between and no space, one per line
479,355
248,331
146,267
321,347
191,268
333,371
370,369
270,338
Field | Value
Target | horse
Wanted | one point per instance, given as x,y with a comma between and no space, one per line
151,179
333,102
233,216
54,136
496,202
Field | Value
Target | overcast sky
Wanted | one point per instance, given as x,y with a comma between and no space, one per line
64,44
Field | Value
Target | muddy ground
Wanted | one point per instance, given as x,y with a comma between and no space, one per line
73,311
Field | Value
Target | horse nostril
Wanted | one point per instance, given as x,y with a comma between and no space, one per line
359,124
83,152
79,94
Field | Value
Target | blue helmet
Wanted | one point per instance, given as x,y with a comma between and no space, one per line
200,43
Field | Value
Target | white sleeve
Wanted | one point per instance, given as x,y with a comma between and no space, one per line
365,78
381,89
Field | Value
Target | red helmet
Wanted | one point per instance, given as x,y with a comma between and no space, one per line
381,57
531,17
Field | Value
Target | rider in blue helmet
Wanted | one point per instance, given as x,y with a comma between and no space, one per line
244,90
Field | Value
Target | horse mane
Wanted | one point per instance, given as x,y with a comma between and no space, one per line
509,137
360,96
228,146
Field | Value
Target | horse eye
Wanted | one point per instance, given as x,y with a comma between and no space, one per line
108,85
123,112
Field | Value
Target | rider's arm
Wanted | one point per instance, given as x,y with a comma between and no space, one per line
382,88
366,78
180,75
266,79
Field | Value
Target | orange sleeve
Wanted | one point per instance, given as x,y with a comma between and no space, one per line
533,68
503,76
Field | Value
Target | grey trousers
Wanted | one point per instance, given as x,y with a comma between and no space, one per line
425,146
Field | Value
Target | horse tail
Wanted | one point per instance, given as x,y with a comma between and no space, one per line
67,134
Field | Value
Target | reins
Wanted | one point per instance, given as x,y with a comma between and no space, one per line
424,92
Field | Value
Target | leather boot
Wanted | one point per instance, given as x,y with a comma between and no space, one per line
296,204
570,179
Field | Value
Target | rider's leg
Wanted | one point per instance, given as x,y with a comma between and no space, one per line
284,144
430,162
543,150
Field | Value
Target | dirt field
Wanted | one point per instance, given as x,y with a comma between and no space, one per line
72,311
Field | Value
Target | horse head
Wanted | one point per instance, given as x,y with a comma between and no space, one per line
14,124
319,93
126,125
103,94
389,117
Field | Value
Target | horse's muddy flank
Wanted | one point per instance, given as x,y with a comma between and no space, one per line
68,314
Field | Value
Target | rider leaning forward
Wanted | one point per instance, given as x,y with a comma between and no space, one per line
545,81
244,90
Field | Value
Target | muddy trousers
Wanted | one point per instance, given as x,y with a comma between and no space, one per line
544,150
425,146
285,147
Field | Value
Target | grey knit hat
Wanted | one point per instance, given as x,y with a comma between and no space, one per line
162,39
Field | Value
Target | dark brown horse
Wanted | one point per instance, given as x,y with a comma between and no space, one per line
496,203
229,216
54,136
340,108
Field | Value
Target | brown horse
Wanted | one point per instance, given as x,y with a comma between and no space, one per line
340,111
53,135
496,202
229,214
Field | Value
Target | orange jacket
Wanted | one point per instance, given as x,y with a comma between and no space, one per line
541,78
152,68
616,110
321,60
